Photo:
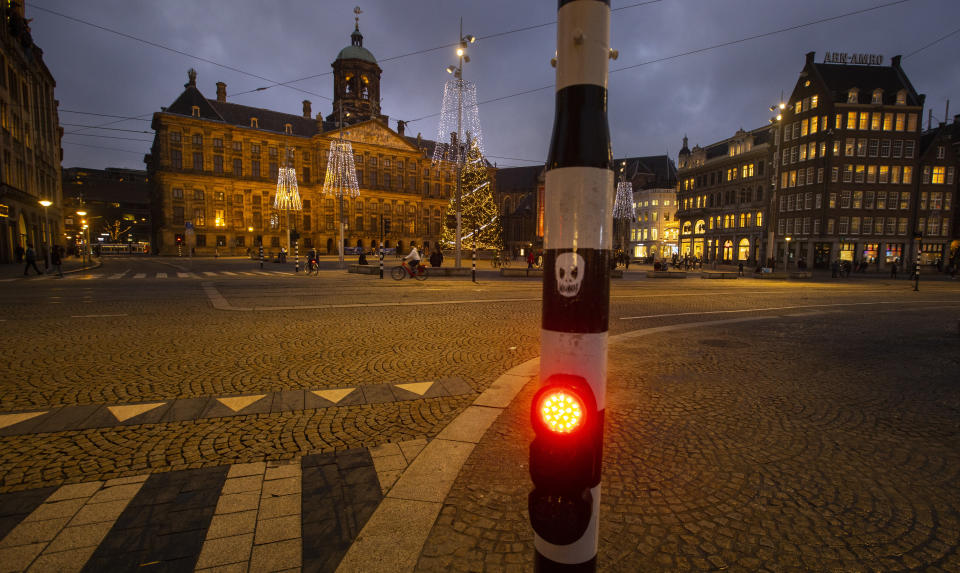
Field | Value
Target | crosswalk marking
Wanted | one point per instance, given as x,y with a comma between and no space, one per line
140,275
228,273
128,274
117,276
161,275
210,273
185,275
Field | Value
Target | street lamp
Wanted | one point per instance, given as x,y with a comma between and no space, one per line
786,254
46,203
86,240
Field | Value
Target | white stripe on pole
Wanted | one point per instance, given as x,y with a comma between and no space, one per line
585,192
579,354
577,60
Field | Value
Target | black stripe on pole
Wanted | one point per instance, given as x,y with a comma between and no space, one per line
581,135
587,309
541,563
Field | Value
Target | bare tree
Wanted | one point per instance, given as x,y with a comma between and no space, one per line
116,229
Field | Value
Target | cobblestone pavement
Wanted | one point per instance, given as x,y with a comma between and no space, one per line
833,445
94,344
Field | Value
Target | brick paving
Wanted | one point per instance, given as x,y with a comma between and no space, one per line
832,446
719,451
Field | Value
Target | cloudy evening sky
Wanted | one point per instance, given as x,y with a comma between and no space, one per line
707,95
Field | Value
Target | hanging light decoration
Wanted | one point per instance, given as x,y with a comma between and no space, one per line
288,196
623,206
341,178
450,130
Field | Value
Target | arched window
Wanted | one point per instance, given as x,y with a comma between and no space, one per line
759,218
743,251
686,228
701,227
507,206
728,251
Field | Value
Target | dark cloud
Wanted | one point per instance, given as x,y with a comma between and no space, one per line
707,95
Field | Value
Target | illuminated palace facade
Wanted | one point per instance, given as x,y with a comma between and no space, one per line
214,164
843,172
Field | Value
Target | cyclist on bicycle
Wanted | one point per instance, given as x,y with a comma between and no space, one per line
414,258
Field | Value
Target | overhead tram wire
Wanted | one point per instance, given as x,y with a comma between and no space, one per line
937,41
167,48
102,147
697,51
101,114
106,136
106,128
443,47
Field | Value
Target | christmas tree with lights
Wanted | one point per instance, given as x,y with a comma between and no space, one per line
479,213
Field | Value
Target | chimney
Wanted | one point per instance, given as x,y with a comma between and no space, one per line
895,61
401,127
221,92
306,109
810,57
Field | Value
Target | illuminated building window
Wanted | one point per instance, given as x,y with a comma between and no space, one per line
852,96
813,101
877,97
888,122
902,97
254,122
851,120
219,218
901,118
938,174
864,120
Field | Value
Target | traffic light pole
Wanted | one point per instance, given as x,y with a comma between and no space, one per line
565,456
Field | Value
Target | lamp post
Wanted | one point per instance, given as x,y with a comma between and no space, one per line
786,254
778,126
86,237
458,73
48,239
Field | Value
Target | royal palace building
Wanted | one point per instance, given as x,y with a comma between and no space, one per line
850,176
30,152
214,164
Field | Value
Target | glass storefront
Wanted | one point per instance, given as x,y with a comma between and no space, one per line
847,251
930,253
821,255
743,251
870,252
893,252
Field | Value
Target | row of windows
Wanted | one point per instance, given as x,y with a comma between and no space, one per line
844,226
644,234
937,200
372,206
727,221
934,226
853,96
745,171
862,121
728,197
305,223
851,199
938,174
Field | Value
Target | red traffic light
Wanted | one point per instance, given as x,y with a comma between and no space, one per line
561,410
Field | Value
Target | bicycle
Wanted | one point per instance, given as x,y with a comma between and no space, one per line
500,260
398,273
313,267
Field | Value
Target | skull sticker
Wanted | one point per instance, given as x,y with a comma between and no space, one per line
569,270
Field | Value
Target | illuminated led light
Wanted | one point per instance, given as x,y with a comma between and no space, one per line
341,179
561,411
623,207
288,194
467,129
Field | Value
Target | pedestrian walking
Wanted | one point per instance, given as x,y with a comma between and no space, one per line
436,257
835,269
530,259
740,269
56,259
893,270
31,257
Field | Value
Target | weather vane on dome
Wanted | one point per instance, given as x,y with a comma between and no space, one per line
356,18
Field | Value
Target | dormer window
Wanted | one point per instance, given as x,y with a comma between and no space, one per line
287,128
877,97
853,96
254,123
902,97
195,111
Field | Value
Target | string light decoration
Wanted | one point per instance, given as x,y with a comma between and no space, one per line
450,130
341,178
288,195
623,206
479,209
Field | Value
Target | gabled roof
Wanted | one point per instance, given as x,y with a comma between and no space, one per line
191,97
513,179
841,78
267,119
660,171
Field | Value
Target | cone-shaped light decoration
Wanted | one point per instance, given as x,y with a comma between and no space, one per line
341,179
479,208
623,206
288,196
450,130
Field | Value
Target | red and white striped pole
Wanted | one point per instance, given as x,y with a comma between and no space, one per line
568,411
